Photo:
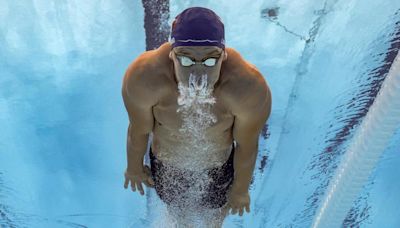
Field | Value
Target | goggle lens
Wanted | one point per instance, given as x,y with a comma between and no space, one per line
186,61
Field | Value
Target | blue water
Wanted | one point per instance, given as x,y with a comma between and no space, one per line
63,123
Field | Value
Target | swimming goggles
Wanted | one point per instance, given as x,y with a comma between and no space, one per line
187,61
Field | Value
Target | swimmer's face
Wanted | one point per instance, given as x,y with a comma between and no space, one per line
208,61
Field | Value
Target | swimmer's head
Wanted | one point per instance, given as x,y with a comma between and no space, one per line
197,26
198,45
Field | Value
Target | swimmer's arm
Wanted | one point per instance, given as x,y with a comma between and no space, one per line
249,120
138,101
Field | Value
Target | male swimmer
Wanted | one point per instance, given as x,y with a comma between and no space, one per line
205,106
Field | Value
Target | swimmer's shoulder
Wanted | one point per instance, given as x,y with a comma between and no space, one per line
237,69
148,71
243,80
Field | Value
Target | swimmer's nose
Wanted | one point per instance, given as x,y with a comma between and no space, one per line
198,72
199,68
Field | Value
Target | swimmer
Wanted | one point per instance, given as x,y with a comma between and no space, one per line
205,107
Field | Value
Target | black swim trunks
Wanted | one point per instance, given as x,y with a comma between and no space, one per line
178,187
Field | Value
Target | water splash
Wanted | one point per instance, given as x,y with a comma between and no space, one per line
195,102
196,93
195,105
194,154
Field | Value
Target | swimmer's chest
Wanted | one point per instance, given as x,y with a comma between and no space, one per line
166,115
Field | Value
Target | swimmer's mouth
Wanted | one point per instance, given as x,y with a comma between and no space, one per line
198,83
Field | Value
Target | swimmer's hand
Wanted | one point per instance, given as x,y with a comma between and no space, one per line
137,178
237,202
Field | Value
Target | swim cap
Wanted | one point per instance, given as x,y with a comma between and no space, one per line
198,26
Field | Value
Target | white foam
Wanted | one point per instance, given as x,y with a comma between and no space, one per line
195,102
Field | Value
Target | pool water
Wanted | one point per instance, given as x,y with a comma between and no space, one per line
63,124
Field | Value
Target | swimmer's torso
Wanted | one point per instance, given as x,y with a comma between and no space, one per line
173,146
170,144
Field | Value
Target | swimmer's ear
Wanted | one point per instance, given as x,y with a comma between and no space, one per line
225,55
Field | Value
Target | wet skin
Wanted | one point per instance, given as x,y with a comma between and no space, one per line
150,92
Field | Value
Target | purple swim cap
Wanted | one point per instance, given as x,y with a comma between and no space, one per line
198,26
